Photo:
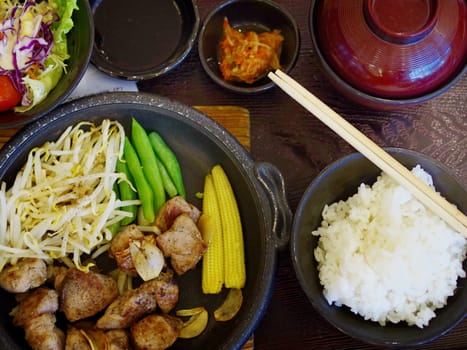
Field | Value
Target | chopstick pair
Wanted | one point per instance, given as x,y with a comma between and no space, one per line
424,193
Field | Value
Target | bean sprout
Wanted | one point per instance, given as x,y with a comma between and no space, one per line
62,200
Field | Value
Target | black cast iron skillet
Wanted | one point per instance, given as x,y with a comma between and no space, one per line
200,143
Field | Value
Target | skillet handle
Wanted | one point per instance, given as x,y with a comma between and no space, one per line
273,182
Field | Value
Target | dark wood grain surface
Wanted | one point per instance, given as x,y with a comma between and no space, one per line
285,134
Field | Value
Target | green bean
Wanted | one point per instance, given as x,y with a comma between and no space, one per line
142,186
115,227
169,186
127,193
170,161
149,163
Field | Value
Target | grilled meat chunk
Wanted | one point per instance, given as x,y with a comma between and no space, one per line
34,303
28,273
128,308
76,340
136,303
136,253
156,332
118,339
84,294
183,243
173,208
120,247
42,334
55,275
35,313
166,291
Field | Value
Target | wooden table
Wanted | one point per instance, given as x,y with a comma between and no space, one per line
283,133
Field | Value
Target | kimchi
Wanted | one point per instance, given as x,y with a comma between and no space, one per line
249,56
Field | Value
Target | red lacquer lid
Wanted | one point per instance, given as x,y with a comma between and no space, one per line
393,48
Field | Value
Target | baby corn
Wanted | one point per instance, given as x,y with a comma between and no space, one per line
234,258
211,227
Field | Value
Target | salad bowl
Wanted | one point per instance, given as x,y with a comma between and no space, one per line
199,143
79,41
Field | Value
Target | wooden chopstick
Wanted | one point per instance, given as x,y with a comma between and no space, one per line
424,193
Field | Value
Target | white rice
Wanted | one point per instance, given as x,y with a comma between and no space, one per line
387,257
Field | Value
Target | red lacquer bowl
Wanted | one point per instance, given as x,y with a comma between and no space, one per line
391,53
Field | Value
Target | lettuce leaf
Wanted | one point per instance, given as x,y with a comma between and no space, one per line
38,89
60,29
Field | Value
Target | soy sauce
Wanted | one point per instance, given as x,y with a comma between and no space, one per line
137,35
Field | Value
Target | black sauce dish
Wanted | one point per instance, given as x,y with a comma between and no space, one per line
80,41
145,40
199,143
339,181
245,15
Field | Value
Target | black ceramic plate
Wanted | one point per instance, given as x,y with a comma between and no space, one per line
144,40
80,40
337,182
199,143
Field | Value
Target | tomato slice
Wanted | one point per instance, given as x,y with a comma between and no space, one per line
9,96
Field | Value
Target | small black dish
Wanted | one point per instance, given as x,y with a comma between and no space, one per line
337,182
257,15
144,40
